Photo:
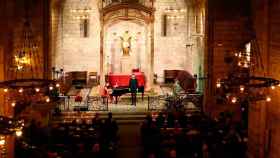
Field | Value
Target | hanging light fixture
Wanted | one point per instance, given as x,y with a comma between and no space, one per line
240,85
26,84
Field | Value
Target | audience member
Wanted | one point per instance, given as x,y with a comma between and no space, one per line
192,135
68,140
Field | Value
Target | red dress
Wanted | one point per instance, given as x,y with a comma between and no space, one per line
103,92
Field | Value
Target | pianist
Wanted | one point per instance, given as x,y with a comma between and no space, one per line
133,88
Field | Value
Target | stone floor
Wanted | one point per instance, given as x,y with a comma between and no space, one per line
130,141
124,104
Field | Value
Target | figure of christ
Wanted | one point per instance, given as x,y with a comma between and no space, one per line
126,43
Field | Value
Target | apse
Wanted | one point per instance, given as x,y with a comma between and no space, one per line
116,35
169,38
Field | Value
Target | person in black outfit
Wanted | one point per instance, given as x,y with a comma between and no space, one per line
110,127
133,88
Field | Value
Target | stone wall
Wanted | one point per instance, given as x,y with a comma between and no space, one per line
73,52
182,47
55,35
170,50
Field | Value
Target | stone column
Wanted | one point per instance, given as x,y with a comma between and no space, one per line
150,75
101,73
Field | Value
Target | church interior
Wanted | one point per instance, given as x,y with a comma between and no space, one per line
139,78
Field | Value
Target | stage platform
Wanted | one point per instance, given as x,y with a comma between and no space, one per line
153,101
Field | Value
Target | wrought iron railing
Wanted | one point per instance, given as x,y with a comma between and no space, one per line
155,103
170,103
68,103
98,103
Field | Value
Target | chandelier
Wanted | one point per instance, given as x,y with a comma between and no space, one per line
240,85
26,83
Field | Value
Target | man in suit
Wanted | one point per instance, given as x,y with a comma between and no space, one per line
133,88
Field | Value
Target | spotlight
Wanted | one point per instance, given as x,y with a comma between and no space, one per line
20,90
272,87
51,87
48,100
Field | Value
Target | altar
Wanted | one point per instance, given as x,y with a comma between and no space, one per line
126,65
122,80
127,47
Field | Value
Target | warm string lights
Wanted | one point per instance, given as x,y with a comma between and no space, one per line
250,92
38,95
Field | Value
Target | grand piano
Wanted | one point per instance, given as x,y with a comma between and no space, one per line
120,84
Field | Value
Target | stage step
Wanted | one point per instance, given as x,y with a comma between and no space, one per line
120,117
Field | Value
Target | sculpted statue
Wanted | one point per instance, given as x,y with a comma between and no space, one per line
126,43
